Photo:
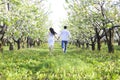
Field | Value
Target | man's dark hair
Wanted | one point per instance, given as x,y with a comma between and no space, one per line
65,27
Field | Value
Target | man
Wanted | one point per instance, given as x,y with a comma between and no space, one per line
64,35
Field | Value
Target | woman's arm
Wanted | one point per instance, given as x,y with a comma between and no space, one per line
56,37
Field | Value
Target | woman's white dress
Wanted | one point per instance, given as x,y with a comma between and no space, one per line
50,39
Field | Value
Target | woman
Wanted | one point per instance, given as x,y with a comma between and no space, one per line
51,40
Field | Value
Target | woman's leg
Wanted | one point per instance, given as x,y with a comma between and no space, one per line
51,48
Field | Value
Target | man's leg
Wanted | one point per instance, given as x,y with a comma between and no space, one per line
65,46
62,45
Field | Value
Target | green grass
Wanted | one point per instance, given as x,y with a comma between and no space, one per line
76,64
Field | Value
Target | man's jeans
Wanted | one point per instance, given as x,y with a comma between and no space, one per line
64,45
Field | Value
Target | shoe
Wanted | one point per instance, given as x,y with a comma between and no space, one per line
63,49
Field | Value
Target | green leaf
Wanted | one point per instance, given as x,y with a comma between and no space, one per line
109,25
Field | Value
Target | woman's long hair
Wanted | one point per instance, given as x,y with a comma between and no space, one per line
52,31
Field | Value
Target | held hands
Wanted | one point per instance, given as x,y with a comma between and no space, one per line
57,38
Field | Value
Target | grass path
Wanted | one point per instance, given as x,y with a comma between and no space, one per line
76,64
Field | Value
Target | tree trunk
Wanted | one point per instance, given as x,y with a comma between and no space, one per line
83,45
109,38
11,47
110,47
1,48
38,42
98,44
119,42
78,43
93,39
18,43
87,45
110,41
98,39
93,46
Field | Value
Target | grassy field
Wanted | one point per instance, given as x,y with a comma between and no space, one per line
76,64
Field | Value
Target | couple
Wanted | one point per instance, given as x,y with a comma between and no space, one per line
64,35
